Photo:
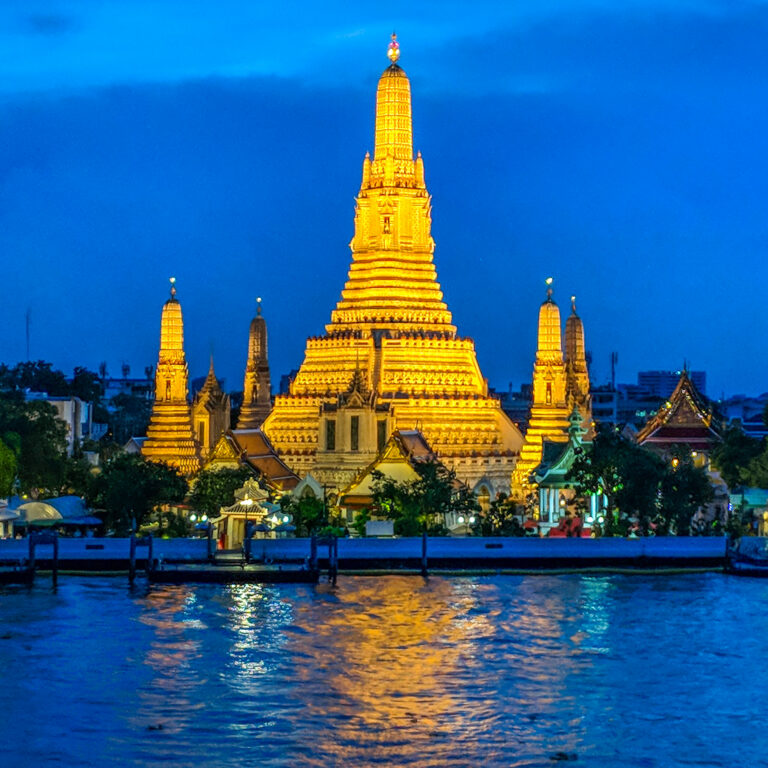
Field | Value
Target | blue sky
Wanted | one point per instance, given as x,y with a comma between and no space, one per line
620,147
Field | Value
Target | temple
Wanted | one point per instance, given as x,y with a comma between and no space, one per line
685,419
210,413
390,358
257,394
170,438
560,388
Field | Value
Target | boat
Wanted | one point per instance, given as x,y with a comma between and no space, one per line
748,556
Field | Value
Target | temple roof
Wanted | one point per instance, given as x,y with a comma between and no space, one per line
685,418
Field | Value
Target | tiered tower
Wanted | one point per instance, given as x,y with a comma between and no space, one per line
170,438
393,322
210,413
577,371
257,393
549,410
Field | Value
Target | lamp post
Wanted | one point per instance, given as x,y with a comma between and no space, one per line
247,504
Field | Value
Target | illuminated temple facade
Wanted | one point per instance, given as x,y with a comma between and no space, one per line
170,436
560,388
391,357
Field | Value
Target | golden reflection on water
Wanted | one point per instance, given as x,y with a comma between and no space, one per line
171,657
385,649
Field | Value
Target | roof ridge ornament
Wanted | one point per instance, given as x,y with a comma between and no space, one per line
393,50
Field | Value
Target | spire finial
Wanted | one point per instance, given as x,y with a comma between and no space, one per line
573,304
548,283
393,51
173,287
258,306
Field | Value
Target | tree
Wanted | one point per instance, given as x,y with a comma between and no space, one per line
684,489
309,513
421,504
40,440
732,457
129,416
130,487
86,385
624,474
7,469
501,518
215,488
38,376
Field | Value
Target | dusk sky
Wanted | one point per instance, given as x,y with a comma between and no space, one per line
621,147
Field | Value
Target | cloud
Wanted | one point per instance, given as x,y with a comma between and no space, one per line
49,24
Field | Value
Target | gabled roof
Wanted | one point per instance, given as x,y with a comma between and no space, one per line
396,460
252,447
685,418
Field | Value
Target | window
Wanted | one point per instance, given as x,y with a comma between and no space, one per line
549,394
381,434
330,435
201,432
386,226
354,433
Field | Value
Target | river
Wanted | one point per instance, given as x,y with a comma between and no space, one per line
388,670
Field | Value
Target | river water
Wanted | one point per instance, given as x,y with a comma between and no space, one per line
482,671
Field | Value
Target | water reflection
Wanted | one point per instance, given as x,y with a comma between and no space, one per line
499,671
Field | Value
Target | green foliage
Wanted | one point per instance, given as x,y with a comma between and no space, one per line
638,486
36,376
501,518
215,488
733,458
683,490
361,518
130,487
7,469
310,514
421,504
38,438
129,417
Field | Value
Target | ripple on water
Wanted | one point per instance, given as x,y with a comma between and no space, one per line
507,671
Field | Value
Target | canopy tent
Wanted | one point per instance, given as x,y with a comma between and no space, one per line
38,513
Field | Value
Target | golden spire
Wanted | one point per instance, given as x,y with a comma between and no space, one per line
575,352
394,131
172,329
169,435
549,346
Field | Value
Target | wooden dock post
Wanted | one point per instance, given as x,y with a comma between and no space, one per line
333,562
211,544
55,559
132,559
150,553
36,539
424,569
313,553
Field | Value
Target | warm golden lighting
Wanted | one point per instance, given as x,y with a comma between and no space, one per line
169,436
392,327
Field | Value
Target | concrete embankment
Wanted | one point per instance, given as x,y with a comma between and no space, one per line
442,554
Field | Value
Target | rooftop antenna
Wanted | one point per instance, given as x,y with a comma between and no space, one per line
28,317
614,360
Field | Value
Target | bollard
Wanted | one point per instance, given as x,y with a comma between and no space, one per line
424,570
313,553
31,543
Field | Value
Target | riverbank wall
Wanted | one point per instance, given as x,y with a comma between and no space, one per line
442,553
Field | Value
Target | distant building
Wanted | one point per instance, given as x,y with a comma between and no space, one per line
76,414
662,384
133,387
748,411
